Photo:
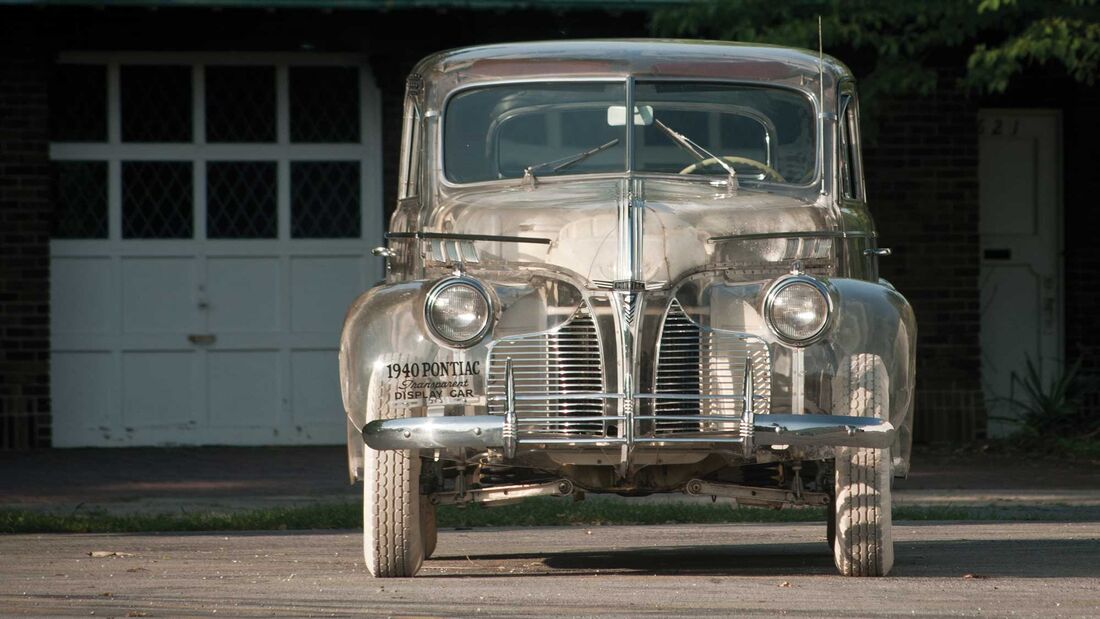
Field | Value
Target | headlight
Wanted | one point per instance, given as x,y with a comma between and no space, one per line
458,311
797,309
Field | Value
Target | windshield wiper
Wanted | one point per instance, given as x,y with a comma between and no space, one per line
701,154
560,164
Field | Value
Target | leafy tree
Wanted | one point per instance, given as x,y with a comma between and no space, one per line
896,47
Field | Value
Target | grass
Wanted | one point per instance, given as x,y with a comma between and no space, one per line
533,512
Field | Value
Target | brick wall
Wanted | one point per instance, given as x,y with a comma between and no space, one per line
1081,199
922,177
24,250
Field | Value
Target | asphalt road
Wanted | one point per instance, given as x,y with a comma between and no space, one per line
990,568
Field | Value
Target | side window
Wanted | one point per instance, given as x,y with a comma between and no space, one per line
410,151
851,170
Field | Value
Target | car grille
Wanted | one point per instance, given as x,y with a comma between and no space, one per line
697,361
691,360
565,361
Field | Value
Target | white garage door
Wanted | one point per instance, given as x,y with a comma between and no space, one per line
213,217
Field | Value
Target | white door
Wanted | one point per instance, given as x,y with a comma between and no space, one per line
210,238
1021,235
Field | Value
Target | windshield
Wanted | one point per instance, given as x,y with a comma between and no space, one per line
761,134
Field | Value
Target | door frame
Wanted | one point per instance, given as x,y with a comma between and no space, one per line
1059,220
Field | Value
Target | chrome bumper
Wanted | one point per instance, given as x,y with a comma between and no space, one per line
490,432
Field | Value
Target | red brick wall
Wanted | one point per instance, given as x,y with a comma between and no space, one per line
922,177
24,250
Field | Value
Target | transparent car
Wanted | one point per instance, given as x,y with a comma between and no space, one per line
629,267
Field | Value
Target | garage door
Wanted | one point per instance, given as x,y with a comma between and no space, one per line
213,216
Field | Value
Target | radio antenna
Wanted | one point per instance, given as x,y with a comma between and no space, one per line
821,93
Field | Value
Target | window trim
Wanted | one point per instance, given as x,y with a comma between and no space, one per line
816,107
366,151
411,151
849,143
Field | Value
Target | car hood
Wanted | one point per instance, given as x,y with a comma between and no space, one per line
673,228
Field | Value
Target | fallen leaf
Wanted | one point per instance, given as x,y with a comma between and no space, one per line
785,584
972,576
100,554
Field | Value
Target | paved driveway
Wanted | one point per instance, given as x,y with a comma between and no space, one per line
996,568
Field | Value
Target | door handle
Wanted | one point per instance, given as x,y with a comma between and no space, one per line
202,339
877,251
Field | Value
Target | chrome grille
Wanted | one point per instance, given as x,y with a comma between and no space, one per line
694,360
565,361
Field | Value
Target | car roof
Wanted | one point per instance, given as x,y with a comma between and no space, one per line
629,57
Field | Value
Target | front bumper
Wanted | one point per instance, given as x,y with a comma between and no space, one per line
490,431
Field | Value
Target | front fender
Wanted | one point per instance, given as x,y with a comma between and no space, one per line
875,318
385,326
380,321
870,318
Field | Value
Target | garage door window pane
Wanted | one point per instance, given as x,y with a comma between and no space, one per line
240,200
156,200
324,199
240,104
156,103
324,104
78,103
80,199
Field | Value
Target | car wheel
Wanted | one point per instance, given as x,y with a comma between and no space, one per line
864,542
392,531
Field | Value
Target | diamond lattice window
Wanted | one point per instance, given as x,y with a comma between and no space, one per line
156,200
155,103
277,147
240,104
324,104
80,199
241,200
78,103
324,199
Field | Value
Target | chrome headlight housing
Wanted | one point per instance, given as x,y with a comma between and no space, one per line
458,311
798,309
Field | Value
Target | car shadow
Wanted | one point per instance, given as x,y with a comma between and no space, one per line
1018,558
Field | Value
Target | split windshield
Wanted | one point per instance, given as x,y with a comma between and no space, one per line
764,134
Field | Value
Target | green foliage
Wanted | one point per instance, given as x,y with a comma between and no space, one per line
1051,409
1073,43
898,46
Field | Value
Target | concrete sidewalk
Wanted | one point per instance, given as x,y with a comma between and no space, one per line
230,478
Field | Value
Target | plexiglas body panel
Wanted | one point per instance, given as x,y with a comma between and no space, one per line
595,278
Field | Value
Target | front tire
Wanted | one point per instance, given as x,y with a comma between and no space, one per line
864,540
392,535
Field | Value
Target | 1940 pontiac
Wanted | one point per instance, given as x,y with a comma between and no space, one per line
629,267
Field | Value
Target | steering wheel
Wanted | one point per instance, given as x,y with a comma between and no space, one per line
759,165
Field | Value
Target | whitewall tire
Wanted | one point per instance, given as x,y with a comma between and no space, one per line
864,541
392,531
